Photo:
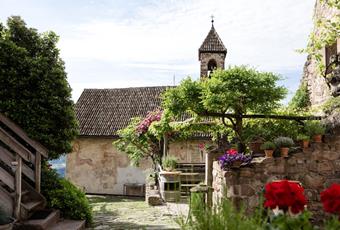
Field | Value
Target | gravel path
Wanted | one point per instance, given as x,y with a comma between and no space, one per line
116,212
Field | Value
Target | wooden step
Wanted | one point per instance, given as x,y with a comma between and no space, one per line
39,220
32,205
7,178
69,225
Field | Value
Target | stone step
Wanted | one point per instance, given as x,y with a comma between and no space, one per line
32,205
69,225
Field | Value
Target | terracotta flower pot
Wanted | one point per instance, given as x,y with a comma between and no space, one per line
317,138
284,152
269,152
305,144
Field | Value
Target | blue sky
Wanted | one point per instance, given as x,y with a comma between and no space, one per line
117,43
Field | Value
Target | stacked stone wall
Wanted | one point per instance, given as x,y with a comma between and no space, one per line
316,168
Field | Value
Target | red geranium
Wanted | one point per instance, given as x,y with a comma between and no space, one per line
330,199
285,194
232,152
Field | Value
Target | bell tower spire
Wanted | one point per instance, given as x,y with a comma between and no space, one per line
212,52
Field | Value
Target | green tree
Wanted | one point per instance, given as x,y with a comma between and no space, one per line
237,91
139,142
34,90
300,100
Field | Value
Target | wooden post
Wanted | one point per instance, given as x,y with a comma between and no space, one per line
18,187
165,146
37,171
208,177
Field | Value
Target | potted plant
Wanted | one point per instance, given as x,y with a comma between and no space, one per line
284,143
316,130
169,163
304,140
268,148
6,222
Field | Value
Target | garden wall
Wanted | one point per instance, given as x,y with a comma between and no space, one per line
316,168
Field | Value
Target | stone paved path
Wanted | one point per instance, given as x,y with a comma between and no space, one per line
115,212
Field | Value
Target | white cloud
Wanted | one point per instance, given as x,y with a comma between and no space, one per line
113,44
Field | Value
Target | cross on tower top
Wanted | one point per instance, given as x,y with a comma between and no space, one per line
212,20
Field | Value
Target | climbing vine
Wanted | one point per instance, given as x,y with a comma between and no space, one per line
327,30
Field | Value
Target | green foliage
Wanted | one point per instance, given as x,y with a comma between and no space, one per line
314,128
169,163
284,142
225,216
332,223
63,195
222,216
328,31
331,105
34,90
138,146
241,90
283,222
268,145
300,100
302,137
4,218
269,129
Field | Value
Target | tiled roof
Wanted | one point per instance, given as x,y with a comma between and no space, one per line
212,43
102,112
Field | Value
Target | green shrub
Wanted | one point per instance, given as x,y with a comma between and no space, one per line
63,195
302,137
284,142
169,162
314,128
268,145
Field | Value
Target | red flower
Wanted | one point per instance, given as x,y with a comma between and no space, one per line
285,194
201,146
232,151
330,199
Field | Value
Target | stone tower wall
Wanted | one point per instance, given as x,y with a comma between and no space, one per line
206,57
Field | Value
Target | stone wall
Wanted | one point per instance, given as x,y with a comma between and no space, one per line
316,168
206,57
317,86
96,166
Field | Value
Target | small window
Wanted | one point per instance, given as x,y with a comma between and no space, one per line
212,65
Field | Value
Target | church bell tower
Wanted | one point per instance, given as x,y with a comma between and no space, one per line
212,52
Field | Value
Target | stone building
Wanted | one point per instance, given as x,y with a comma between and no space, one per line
95,164
319,92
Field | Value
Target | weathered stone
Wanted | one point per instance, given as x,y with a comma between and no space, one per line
325,166
329,182
314,181
311,194
330,155
247,190
246,172
277,168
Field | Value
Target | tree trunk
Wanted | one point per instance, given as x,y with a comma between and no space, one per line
239,134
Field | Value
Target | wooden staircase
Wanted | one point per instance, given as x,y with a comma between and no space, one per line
20,178
191,175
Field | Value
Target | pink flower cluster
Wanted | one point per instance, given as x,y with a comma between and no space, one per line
151,117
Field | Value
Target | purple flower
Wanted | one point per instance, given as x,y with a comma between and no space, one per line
227,160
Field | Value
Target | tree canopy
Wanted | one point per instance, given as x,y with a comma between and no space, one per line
238,90
34,90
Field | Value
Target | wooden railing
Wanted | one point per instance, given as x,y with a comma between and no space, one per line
19,155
